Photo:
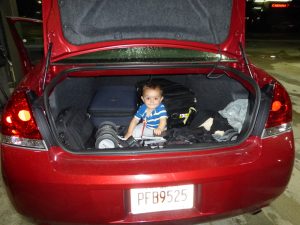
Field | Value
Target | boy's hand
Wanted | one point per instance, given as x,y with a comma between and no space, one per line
157,131
162,124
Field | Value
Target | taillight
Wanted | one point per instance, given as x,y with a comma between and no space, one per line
18,124
281,108
280,114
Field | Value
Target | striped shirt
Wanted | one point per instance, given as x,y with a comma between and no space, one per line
153,120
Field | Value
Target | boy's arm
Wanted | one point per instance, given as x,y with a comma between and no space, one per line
161,126
131,127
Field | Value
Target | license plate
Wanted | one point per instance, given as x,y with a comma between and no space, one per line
144,200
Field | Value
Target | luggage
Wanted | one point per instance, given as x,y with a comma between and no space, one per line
74,128
179,100
116,103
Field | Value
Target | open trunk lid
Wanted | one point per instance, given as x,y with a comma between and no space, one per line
78,26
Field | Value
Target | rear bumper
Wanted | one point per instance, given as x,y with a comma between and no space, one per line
55,186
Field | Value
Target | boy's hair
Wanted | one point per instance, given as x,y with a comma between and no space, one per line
152,86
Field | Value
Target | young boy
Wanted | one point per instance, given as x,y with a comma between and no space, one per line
152,112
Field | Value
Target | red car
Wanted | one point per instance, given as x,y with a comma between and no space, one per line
228,151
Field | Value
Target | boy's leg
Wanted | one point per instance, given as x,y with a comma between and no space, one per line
137,132
148,132
140,131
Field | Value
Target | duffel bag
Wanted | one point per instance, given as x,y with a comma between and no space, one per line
74,128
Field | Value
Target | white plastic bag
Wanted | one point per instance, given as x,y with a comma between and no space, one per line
235,113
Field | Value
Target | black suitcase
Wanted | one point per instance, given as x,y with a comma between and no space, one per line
74,128
113,103
179,100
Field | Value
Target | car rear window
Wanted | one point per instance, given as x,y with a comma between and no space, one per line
147,54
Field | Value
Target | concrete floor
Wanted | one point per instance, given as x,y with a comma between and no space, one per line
280,58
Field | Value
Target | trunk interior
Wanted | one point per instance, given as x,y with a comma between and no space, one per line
93,113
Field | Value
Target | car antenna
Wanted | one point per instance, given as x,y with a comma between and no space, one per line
245,58
47,64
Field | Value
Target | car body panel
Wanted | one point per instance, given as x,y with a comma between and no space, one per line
96,187
62,47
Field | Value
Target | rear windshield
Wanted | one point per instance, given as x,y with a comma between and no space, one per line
147,54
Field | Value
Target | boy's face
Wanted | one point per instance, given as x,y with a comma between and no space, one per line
152,98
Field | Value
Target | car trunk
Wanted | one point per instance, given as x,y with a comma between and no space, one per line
222,111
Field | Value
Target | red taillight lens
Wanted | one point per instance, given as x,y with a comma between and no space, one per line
17,119
281,108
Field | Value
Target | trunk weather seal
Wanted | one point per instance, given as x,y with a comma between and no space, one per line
64,74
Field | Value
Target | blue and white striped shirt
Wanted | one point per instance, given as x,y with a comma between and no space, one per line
152,121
